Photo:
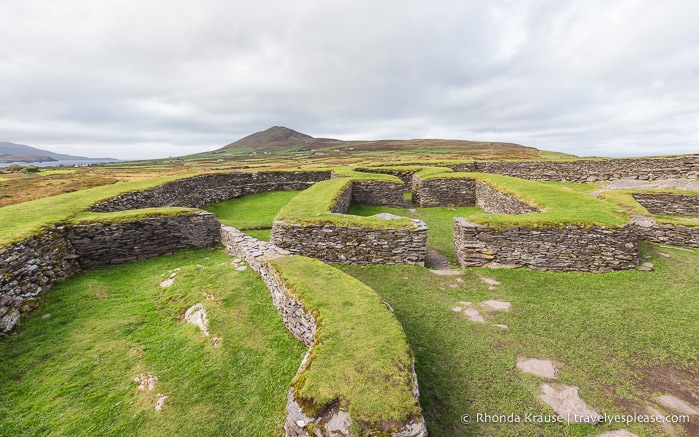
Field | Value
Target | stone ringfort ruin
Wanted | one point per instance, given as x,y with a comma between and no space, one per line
28,268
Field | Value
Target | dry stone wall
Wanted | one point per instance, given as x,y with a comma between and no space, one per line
334,421
669,204
578,170
493,201
207,189
29,268
98,244
591,170
353,244
378,193
562,249
443,191
663,233
433,192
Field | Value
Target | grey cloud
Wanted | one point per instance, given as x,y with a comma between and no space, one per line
148,79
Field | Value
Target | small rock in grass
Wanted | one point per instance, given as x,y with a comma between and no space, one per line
387,216
617,433
677,405
490,281
216,341
646,267
160,402
46,316
474,315
457,309
237,261
500,326
497,305
241,268
146,381
196,315
565,401
666,255
167,283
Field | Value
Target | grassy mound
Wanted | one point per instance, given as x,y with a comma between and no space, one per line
361,356
313,205
72,373
562,203
23,220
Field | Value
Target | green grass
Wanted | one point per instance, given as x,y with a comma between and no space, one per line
260,234
348,172
313,206
562,203
618,336
361,357
26,219
624,200
72,373
255,211
130,215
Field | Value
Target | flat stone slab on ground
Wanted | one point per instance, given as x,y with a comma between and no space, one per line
677,405
474,315
617,433
566,402
387,216
540,368
490,281
497,305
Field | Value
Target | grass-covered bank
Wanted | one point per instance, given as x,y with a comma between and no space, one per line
72,373
623,338
254,211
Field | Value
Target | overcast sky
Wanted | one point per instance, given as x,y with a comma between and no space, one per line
157,78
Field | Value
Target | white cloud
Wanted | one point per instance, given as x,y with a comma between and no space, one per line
150,79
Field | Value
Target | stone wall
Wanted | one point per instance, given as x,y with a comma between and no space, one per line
403,175
256,252
207,189
671,234
343,202
443,191
353,244
433,192
29,268
378,193
333,421
98,244
562,249
578,170
669,204
493,201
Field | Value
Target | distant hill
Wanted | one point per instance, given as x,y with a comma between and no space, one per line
11,152
280,139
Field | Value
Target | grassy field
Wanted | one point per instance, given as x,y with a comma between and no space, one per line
255,211
72,372
623,338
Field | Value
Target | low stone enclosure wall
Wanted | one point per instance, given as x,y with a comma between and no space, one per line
462,191
203,190
353,241
578,170
335,418
648,229
560,249
669,204
30,267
